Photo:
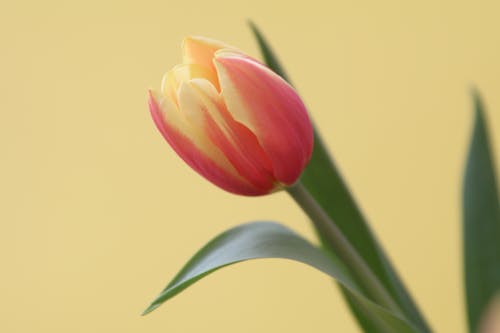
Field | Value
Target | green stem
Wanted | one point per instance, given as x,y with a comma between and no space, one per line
333,238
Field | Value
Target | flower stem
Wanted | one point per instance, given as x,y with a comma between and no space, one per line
334,240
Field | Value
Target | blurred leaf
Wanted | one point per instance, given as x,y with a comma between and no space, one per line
367,323
481,211
324,181
271,240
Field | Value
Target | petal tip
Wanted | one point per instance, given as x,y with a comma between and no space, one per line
197,49
152,96
226,53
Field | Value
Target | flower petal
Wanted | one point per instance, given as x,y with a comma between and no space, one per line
236,141
195,148
201,50
270,108
183,73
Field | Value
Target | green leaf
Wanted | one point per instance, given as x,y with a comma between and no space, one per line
481,214
324,181
259,240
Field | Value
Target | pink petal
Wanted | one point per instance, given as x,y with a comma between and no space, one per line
238,143
216,171
270,108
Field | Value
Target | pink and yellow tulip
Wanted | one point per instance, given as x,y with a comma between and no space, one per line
232,119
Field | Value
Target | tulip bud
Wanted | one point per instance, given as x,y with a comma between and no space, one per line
232,119
490,321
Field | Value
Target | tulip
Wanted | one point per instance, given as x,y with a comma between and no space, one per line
490,321
232,119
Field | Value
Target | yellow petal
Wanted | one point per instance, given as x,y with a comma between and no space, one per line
200,50
184,73
194,110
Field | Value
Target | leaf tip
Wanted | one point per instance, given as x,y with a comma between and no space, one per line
476,99
150,309
254,28
250,23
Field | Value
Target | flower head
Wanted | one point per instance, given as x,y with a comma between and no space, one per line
232,119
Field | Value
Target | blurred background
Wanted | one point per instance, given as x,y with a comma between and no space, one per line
98,213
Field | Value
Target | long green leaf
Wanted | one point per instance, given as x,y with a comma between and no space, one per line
324,181
481,213
259,240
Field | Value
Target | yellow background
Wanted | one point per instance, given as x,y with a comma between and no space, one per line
98,213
